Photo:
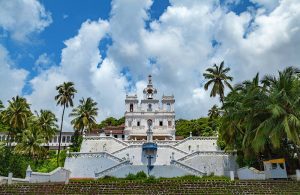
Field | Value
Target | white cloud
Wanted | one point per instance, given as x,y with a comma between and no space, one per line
179,45
79,63
23,17
43,62
12,79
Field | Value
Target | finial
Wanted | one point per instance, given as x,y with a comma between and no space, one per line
150,79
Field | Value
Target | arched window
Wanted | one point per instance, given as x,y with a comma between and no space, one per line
150,107
131,108
168,107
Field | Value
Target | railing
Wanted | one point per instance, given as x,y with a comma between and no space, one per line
187,168
106,171
94,154
203,153
168,146
104,138
122,149
195,138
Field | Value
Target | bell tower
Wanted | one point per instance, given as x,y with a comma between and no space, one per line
149,91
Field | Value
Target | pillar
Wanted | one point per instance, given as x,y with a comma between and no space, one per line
9,178
231,175
298,175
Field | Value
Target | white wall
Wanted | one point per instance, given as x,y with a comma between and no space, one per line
103,145
193,145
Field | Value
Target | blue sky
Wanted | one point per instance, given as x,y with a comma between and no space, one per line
109,47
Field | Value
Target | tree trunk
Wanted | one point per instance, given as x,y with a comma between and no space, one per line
59,138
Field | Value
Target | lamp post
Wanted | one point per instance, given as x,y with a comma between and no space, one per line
149,147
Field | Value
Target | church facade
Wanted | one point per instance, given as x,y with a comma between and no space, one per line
161,113
148,143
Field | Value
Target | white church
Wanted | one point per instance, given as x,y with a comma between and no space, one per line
148,143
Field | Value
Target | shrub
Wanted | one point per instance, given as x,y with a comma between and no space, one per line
141,175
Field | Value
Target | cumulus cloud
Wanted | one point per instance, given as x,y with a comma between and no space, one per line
12,79
80,64
21,18
188,37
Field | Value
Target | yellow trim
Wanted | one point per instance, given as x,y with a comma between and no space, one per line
279,160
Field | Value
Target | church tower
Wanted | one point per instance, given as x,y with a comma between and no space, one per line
161,114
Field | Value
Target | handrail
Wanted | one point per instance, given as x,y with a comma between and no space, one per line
170,146
104,172
196,138
130,146
94,154
104,138
203,152
188,168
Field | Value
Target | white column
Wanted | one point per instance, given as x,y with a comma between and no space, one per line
298,174
9,179
232,175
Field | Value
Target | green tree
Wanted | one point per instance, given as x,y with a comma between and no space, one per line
217,76
282,111
214,112
66,93
1,106
16,116
46,122
84,115
31,143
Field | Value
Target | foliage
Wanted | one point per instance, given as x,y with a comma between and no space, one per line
31,143
262,118
46,122
17,163
76,141
217,76
198,127
16,116
66,93
111,121
84,115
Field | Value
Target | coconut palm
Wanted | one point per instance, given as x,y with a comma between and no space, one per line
1,106
66,92
31,143
16,116
84,115
217,76
283,110
46,121
214,112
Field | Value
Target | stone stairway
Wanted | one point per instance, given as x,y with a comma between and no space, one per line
158,187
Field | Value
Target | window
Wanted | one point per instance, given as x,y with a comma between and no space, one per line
274,165
138,123
160,123
55,139
116,136
150,107
63,139
131,108
168,107
169,123
129,123
68,139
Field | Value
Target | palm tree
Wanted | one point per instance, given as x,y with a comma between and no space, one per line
16,116
84,115
66,92
46,121
282,111
31,143
214,112
1,106
217,76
